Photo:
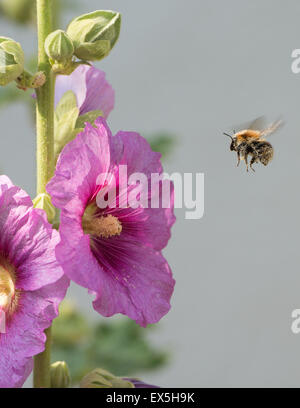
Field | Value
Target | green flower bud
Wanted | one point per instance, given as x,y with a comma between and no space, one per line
59,47
60,375
100,378
11,60
43,202
95,34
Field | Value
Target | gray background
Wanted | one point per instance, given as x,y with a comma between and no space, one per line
197,68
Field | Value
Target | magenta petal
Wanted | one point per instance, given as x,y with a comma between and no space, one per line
100,95
132,149
141,289
28,240
79,166
89,85
5,182
75,255
158,223
126,272
25,337
27,244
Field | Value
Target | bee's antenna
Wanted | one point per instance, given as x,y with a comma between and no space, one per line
226,134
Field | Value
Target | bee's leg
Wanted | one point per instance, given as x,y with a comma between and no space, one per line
253,160
239,158
246,161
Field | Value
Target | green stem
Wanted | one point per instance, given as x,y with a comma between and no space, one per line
45,101
41,372
45,153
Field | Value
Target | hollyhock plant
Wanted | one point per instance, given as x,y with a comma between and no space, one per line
114,252
32,284
92,90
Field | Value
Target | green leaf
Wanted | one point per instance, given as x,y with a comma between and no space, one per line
122,347
67,103
162,143
88,117
71,328
65,128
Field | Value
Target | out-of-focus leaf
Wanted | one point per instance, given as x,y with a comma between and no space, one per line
19,11
23,12
10,94
71,329
121,347
162,142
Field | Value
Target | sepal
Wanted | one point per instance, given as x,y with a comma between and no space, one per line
60,375
100,378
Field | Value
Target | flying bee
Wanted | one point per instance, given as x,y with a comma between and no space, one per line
251,142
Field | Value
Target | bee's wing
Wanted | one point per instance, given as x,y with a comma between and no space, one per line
259,123
272,127
256,124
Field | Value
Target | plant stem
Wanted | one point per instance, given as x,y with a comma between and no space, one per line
41,372
45,153
45,101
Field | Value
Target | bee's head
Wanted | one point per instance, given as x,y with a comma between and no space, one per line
232,144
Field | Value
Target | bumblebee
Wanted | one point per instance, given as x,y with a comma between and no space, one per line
251,142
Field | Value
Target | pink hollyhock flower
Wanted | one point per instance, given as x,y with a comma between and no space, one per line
31,283
92,90
114,252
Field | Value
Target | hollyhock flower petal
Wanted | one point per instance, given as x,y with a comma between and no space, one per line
131,148
89,85
142,284
25,337
27,238
78,168
114,252
32,283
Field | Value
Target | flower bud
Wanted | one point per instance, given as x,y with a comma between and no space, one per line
100,378
59,47
95,34
43,202
60,375
11,60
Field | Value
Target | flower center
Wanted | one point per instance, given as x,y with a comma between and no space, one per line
104,226
7,289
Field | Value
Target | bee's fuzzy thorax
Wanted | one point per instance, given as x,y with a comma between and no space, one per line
247,135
